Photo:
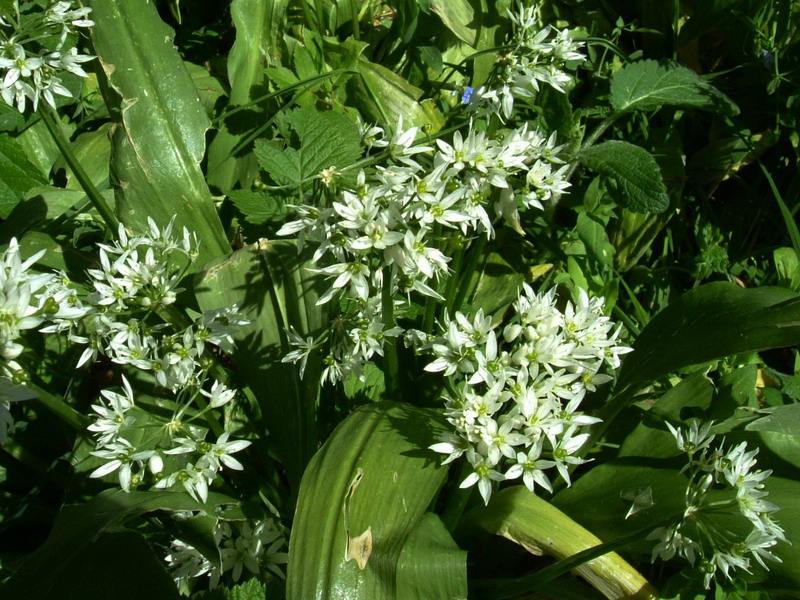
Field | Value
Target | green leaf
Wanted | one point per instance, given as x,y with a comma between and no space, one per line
283,164
93,151
709,323
373,480
86,555
780,432
383,96
495,286
38,145
459,17
209,88
40,205
634,169
788,267
258,207
17,175
593,235
432,57
327,139
371,389
431,565
157,150
650,84
274,288
538,526
259,36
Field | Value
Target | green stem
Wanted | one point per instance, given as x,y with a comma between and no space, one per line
592,139
452,283
392,371
475,256
532,581
50,118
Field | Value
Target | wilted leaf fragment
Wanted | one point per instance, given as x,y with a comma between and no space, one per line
634,169
650,84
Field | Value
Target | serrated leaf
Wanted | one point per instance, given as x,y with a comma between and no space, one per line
17,175
373,474
710,322
634,169
283,164
258,207
650,84
327,139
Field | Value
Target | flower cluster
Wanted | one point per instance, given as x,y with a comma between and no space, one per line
722,481
389,234
27,300
36,48
539,56
137,278
515,411
253,546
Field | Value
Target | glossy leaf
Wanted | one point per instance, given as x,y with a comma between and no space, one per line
711,322
541,528
274,288
431,565
157,150
373,478
650,84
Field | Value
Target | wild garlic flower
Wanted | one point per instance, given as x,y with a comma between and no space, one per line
722,480
31,69
254,546
518,391
392,228
540,56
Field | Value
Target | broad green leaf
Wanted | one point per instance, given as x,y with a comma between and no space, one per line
157,150
786,494
459,17
650,84
258,207
93,151
17,175
431,565
366,490
779,431
370,389
209,88
634,169
40,207
613,491
327,139
259,32
711,322
39,146
495,286
593,235
86,542
541,528
274,288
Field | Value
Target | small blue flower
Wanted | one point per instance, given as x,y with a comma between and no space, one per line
768,60
465,97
